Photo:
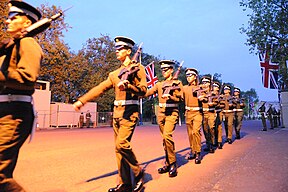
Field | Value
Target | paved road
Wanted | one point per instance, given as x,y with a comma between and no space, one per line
83,160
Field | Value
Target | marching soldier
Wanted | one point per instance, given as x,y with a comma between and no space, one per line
170,94
20,59
209,115
238,111
125,114
262,110
193,113
219,114
228,113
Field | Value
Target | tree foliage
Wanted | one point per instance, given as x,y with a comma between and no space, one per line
56,65
94,62
251,99
3,14
268,25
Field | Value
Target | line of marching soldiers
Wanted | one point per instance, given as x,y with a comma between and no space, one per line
211,103
205,106
208,104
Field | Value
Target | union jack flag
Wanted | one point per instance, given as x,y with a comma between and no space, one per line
151,77
269,71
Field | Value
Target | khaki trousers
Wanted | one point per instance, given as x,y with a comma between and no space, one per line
193,124
208,127
218,127
126,159
16,122
263,119
167,126
238,120
228,123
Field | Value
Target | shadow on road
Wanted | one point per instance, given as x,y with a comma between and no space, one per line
181,160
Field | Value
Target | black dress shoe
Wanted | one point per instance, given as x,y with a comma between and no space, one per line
139,181
163,169
198,158
191,156
229,141
121,188
220,146
211,150
264,129
173,170
138,187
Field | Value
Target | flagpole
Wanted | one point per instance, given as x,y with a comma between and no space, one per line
150,63
141,100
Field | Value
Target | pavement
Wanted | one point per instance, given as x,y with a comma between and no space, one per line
83,160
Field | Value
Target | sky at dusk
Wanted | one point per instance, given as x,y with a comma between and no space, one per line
204,34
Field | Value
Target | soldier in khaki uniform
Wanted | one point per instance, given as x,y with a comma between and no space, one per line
262,110
193,114
269,116
228,113
238,111
170,93
81,120
219,114
125,114
209,115
20,59
275,117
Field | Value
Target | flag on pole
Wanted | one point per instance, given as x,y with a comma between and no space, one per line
269,71
151,77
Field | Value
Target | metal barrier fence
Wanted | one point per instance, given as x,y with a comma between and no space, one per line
104,119
71,119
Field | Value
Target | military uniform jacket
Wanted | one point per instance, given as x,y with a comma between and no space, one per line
220,103
210,107
262,109
227,100
138,88
270,110
191,99
176,96
237,104
20,67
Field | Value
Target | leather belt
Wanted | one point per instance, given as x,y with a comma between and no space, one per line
11,98
227,111
168,105
193,108
126,102
237,109
209,109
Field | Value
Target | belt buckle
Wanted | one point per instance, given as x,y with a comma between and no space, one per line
9,97
120,103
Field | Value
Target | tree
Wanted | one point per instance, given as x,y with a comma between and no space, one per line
268,25
96,60
3,16
251,99
57,67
